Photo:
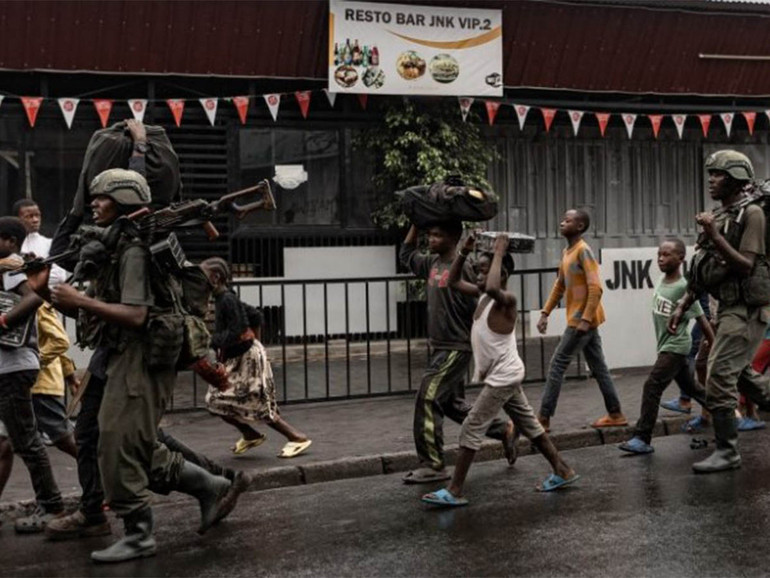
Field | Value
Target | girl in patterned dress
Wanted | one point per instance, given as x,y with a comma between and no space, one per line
250,393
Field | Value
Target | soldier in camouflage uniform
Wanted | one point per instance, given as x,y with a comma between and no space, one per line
732,255
122,298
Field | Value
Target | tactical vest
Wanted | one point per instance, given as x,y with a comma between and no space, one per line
709,271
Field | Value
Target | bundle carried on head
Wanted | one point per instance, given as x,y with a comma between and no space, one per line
447,200
111,147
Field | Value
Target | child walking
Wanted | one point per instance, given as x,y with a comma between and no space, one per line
19,367
250,395
673,348
579,279
498,365
442,389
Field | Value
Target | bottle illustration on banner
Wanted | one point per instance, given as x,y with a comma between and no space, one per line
366,56
347,57
356,53
337,59
374,58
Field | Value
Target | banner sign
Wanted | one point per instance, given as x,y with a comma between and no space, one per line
407,49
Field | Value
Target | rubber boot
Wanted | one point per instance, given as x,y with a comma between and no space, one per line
725,456
216,495
137,543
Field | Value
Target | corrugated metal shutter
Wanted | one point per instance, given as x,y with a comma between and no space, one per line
203,159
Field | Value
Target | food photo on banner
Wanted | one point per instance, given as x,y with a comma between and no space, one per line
409,49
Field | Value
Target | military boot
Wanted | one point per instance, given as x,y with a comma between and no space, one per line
137,543
725,456
216,495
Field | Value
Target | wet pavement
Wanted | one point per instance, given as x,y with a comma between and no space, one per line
627,516
346,429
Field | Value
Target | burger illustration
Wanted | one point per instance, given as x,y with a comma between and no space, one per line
410,66
444,68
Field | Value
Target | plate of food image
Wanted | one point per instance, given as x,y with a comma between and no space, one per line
410,66
346,76
374,77
444,68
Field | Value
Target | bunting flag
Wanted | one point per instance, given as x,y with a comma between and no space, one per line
767,112
679,120
548,114
242,106
1,99
465,106
705,122
492,108
727,119
575,116
629,120
751,118
521,111
363,99
655,119
604,119
31,106
103,108
177,109
273,102
68,107
210,108
332,96
303,99
138,107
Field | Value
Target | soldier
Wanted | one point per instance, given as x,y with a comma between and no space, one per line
123,296
731,266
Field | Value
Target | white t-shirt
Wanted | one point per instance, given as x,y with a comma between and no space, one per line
41,247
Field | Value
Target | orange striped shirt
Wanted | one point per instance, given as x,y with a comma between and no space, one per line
580,280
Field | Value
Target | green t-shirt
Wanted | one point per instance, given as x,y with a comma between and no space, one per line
663,304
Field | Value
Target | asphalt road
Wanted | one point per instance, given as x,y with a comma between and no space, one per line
627,516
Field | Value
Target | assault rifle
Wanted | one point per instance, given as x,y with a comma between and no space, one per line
755,192
149,226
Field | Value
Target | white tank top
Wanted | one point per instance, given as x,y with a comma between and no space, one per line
495,356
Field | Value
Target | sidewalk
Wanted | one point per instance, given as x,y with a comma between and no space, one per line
364,437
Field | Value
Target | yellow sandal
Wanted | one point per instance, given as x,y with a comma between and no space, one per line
243,445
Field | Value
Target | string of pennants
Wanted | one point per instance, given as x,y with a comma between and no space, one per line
210,105
138,106
603,118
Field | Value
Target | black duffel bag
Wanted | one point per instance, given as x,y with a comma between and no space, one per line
110,148
446,201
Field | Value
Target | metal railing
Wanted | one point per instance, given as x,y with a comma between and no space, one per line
348,338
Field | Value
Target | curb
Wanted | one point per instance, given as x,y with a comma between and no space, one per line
394,462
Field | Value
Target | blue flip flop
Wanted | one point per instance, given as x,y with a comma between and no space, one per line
444,499
554,482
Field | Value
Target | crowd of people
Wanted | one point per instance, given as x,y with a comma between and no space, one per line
126,315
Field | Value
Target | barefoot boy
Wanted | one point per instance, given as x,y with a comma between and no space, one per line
579,280
498,365
673,347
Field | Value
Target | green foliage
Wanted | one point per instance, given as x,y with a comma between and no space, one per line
421,142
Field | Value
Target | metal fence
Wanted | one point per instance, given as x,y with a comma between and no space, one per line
336,339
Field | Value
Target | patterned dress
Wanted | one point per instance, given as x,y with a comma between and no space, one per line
251,394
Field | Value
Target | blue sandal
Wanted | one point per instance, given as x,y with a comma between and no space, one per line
445,499
554,482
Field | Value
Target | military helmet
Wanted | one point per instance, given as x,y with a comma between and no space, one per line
735,164
124,187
